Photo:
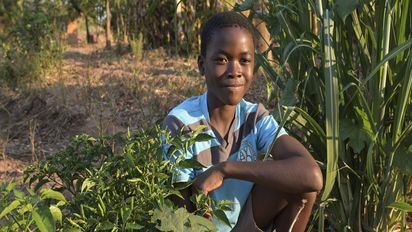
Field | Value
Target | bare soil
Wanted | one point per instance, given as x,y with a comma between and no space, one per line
94,91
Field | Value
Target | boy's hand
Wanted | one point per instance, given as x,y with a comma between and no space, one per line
209,180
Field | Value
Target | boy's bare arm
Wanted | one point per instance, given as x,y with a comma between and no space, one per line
293,170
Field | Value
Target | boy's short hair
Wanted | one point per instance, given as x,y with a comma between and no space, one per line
222,20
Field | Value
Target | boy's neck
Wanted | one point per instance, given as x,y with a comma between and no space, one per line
223,114
221,118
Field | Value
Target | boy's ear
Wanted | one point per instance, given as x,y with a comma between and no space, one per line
200,65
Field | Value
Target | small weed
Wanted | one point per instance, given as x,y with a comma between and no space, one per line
137,47
32,137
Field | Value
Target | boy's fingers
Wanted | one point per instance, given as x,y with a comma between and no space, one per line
200,188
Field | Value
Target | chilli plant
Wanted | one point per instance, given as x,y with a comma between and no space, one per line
341,79
117,183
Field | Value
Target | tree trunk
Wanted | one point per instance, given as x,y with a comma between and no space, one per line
108,32
124,28
89,37
177,19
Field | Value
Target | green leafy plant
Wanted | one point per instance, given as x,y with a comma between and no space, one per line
25,211
137,47
345,69
111,183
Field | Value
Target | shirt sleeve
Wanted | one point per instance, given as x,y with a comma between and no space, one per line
266,130
173,125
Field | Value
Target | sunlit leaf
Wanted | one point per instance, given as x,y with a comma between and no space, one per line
332,107
51,194
57,213
13,205
133,226
87,185
403,206
19,194
44,219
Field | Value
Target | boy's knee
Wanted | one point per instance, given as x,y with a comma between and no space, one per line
284,208
304,199
310,197
270,197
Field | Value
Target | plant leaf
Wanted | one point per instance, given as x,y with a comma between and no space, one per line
199,223
13,205
403,160
190,163
288,97
40,184
10,187
105,226
56,213
44,219
221,216
357,136
332,108
203,137
133,226
403,206
169,219
87,184
182,185
51,194
345,7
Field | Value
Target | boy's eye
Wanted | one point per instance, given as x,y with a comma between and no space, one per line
221,60
245,61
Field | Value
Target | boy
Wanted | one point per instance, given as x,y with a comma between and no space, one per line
274,194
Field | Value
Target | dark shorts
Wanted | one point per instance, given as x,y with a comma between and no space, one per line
246,221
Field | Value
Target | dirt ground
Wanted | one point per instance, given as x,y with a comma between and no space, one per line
94,91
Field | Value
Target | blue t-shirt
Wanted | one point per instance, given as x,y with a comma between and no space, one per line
251,134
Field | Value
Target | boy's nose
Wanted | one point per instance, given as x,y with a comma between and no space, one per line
234,69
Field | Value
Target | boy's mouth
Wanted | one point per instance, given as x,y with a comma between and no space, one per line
233,87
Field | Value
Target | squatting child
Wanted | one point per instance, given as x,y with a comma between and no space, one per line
269,195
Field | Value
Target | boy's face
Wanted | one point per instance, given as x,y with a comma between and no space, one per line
228,65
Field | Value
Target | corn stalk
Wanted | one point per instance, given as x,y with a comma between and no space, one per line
350,90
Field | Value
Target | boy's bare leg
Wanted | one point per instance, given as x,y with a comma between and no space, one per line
269,205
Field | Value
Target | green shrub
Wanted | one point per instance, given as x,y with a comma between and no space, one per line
111,183
29,45
21,211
